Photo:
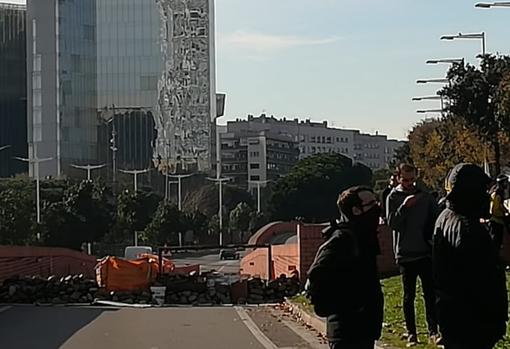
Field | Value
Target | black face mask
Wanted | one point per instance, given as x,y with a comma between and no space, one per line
368,220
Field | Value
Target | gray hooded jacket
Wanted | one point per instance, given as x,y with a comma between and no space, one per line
412,226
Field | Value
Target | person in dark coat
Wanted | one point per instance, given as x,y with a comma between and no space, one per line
412,213
343,280
469,278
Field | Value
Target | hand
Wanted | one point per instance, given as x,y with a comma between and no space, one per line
410,201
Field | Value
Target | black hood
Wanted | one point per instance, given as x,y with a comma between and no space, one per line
467,185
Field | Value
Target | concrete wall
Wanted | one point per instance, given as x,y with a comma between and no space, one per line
287,258
43,261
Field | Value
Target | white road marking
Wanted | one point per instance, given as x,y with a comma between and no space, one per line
257,333
2,309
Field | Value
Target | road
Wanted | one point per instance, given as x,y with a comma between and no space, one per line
210,262
29,327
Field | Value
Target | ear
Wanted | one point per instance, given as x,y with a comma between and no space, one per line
356,211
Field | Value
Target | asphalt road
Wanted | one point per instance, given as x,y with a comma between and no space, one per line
210,262
29,327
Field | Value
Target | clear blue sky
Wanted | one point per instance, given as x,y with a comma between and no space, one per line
353,63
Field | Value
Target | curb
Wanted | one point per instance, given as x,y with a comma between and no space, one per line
312,320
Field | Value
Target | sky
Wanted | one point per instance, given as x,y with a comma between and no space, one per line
353,63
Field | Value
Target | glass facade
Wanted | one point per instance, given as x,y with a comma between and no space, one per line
13,89
141,68
77,68
129,64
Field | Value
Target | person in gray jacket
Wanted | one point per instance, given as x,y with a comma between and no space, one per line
411,214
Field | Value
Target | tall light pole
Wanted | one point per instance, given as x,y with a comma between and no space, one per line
135,174
430,98
179,183
477,36
493,4
113,148
433,81
259,184
220,182
89,169
36,161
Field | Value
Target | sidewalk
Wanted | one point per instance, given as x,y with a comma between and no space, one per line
313,321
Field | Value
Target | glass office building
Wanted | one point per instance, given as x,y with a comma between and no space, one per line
141,72
13,89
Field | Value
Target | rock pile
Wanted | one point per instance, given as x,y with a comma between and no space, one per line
51,290
274,291
196,290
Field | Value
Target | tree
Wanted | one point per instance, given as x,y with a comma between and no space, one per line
437,145
85,214
239,221
134,212
205,199
17,214
312,187
166,225
477,96
402,155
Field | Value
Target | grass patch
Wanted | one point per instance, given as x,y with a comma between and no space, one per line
394,324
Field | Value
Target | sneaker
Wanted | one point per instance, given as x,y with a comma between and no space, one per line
412,340
436,339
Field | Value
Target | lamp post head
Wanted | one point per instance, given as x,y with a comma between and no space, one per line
483,5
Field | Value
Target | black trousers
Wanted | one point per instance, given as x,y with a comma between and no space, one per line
361,344
410,271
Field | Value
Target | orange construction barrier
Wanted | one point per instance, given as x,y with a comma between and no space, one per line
117,274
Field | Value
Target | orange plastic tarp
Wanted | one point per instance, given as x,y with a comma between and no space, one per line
117,274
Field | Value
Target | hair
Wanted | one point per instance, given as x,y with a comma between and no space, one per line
349,199
405,168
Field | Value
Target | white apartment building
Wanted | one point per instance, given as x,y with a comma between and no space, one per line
375,151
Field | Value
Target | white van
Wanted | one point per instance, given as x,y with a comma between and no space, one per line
133,252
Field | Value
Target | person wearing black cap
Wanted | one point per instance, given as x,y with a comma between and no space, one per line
498,210
469,278
343,282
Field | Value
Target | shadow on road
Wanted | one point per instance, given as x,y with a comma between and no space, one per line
43,328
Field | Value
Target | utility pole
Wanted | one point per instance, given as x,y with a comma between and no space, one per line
36,161
135,173
89,169
220,182
114,149
259,184
179,179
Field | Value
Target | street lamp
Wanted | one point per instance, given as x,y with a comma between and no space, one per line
428,98
428,111
493,4
36,161
446,61
179,186
258,183
476,36
220,182
433,81
4,147
89,169
135,173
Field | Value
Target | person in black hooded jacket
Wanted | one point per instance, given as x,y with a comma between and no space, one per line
343,281
469,279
